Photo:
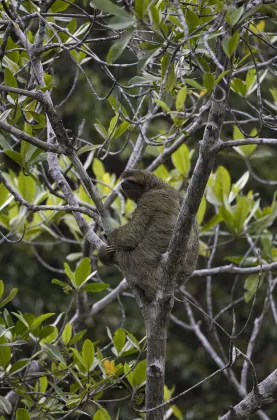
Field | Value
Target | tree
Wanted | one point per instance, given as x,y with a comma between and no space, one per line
189,64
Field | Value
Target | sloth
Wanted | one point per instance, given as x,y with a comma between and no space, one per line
138,246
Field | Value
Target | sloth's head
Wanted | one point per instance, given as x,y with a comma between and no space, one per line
136,182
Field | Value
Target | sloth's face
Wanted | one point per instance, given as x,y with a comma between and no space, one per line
132,189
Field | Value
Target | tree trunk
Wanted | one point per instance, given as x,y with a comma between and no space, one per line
156,315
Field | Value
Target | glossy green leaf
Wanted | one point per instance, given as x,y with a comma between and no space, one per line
181,160
88,354
181,99
194,83
120,22
192,20
5,405
222,183
141,7
241,213
22,414
54,352
59,6
121,129
201,211
67,333
5,352
108,7
95,287
251,285
119,339
98,169
10,81
77,337
2,288
101,130
4,193
139,374
101,414
208,80
10,297
38,321
26,187
82,271
233,17
230,44
18,366
70,274
118,47
162,104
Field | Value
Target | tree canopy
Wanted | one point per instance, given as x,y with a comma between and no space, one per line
187,90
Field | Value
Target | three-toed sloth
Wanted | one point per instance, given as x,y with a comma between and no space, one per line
138,246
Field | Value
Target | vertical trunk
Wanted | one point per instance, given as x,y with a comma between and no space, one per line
156,315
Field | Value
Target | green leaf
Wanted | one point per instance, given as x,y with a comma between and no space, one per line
27,187
129,375
120,22
192,20
10,64
141,7
238,186
98,169
181,99
38,321
108,7
230,44
59,283
95,287
70,274
171,79
193,83
201,211
222,184
238,86
54,351
250,286
101,414
118,47
82,271
10,297
208,80
88,354
139,374
15,156
181,160
241,213
5,405
78,357
250,78
121,129
119,339
77,337
4,193
101,130
67,333
10,81
2,288
234,17
59,6
162,104
22,414
132,340
18,366
5,352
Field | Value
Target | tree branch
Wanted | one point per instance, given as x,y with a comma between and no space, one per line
267,394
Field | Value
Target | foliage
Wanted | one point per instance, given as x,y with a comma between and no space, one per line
131,84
